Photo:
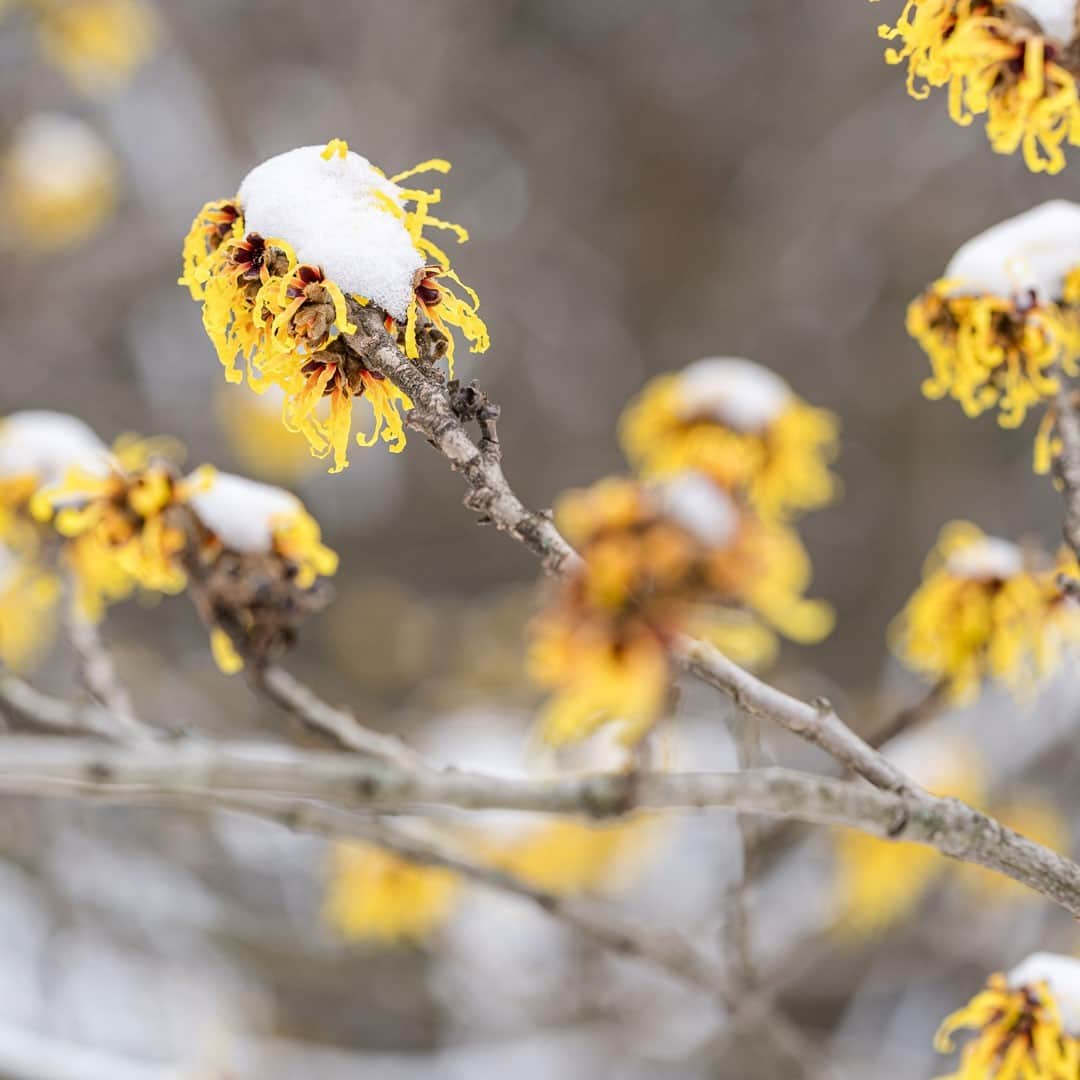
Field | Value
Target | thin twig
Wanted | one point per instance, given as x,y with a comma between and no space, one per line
100,676
746,735
52,714
300,700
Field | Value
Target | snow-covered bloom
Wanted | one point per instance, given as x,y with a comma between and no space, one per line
97,44
58,183
740,424
657,561
999,59
1024,1024
28,603
1006,315
268,553
120,521
373,894
38,449
986,610
275,269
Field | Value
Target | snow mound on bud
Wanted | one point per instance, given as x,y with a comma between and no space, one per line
988,558
334,215
735,392
45,444
699,506
241,513
1061,974
1030,253
1056,17
59,155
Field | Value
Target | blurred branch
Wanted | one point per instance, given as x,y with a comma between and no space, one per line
1068,465
140,773
52,714
100,676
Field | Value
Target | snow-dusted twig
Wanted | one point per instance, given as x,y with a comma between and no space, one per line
139,773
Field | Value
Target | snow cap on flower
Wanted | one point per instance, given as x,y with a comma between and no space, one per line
334,213
1062,975
986,558
1057,18
243,514
693,501
1032,252
733,391
43,444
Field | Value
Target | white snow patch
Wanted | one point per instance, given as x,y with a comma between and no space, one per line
987,558
1056,17
329,212
1061,974
242,513
46,444
1033,251
693,501
734,391
59,155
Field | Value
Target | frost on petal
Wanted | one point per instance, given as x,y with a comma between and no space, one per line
699,506
1032,252
337,214
1062,975
46,444
1056,17
241,513
733,391
987,558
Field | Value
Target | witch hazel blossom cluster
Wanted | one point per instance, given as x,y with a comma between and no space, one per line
116,519
1004,60
698,541
275,269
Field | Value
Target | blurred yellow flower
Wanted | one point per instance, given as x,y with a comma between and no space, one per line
1019,1029
742,426
97,44
373,894
985,611
58,183
28,604
658,561
996,63
272,269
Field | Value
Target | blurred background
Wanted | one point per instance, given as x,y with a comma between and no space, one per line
645,184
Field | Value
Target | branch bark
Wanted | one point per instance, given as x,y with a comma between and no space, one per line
142,773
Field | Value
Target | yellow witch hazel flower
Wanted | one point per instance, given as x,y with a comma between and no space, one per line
1024,1024
241,517
97,44
986,611
1005,318
879,882
274,268
742,426
28,601
657,561
38,449
1005,60
121,515
58,183
376,895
